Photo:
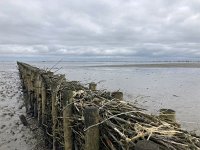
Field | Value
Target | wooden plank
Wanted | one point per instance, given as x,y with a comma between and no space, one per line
91,115
67,125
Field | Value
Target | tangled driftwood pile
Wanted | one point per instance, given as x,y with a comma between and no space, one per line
70,114
122,125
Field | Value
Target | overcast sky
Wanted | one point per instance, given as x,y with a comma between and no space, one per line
100,27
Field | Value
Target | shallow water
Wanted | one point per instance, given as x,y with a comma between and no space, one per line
152,88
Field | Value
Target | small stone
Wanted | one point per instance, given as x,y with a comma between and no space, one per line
3,126
23,120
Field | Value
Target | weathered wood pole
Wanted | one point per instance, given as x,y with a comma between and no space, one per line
35,93
117,95
54,115
30,87
39,98
35,107
43,93
25,92
55,85
93,86
44,109
91,115
167,115
67,113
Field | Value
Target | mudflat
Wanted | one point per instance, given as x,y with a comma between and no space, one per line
156,65
13,134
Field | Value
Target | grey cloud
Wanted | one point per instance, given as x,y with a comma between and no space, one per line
100,27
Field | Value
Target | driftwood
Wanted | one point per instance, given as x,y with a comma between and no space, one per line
123,125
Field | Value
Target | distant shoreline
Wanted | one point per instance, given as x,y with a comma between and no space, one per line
155,65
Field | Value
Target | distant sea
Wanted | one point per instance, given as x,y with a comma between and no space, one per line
54,58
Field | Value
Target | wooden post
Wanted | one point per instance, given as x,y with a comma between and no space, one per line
35,93
55,87
39,98
118,95
91,115
54,116
43,102
24,87
29,87
93,86
35,110
67,113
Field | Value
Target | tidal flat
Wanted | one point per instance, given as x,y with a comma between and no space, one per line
149,86
13,135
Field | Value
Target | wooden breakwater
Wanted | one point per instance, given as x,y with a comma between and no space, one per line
49,97
76,117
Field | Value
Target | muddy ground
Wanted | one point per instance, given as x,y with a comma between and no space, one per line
13,135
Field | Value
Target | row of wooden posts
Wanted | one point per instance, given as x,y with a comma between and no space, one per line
41,89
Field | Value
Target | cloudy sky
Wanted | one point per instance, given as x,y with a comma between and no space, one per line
101,27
